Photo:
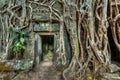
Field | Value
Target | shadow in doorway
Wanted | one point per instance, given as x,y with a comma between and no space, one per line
47,47
115,55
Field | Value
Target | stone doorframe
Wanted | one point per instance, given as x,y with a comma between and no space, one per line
38,45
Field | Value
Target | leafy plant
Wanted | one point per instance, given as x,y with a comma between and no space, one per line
19,38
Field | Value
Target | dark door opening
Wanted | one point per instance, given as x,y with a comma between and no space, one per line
115,55
47,47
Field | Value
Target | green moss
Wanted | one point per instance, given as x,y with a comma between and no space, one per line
4,67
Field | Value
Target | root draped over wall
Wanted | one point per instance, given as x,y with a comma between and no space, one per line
86,22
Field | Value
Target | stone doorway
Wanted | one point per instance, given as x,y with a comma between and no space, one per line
46,37
47,47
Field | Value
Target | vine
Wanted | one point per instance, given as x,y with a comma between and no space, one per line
86,22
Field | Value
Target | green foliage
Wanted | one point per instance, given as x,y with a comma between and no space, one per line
48,50
19,38
49,54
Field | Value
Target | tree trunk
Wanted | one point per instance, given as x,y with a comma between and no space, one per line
85,21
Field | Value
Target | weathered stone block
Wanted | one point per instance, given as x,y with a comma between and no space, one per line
46,27
9,65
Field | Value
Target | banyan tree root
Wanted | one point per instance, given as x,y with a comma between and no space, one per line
85,21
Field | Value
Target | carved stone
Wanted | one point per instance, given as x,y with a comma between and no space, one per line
46,27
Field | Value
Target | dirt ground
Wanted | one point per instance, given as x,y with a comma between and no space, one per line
45,71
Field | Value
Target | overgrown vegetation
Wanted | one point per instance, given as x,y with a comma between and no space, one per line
19,42
19,38
85,21
48,51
